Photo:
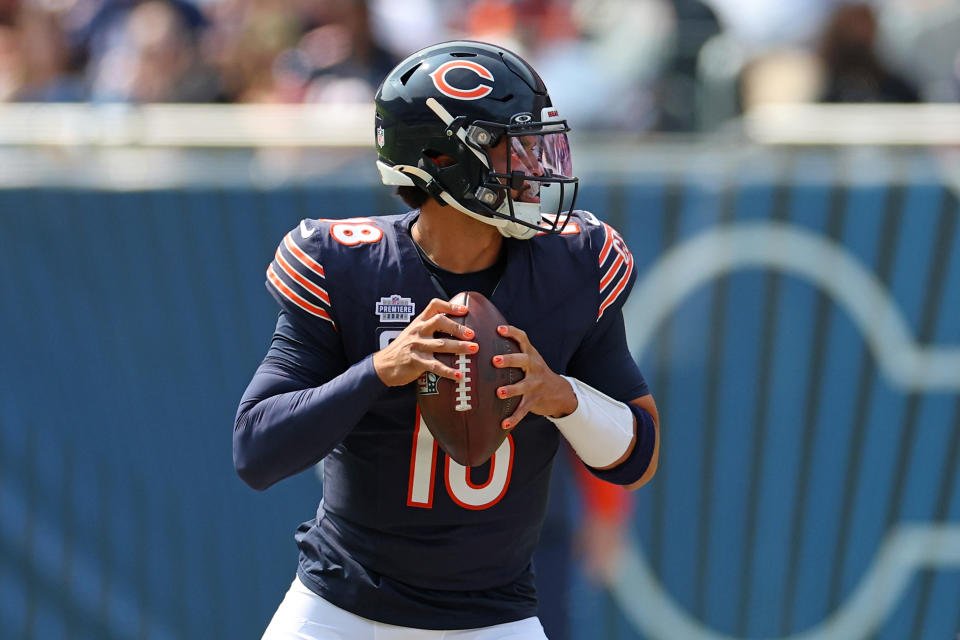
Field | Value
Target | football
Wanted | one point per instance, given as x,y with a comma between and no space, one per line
465,416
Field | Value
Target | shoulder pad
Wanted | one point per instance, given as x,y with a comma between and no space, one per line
614,260
297,277
585,232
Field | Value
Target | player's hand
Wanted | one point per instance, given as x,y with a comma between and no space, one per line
544,392
411,353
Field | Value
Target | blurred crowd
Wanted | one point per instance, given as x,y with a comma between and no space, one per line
620,65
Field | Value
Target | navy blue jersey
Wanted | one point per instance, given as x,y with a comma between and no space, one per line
404,535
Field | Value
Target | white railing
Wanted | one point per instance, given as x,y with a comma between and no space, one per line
854,124
186,125
338,126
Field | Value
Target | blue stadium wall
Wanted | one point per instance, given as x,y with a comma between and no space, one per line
809,385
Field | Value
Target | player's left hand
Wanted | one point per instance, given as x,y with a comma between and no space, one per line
544,392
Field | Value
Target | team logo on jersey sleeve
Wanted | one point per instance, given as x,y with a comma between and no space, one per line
395,308
475,92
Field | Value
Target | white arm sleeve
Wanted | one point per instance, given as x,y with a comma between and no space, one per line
600,430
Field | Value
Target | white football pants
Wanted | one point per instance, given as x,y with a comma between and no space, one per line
303,615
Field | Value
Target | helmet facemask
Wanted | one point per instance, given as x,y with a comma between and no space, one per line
528,190
529,181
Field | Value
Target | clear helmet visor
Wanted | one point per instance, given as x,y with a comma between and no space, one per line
540,156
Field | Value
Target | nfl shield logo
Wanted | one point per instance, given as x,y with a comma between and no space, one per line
380,136
395,308
427,384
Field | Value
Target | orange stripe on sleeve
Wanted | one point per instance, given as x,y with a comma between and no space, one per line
291,295
607,243
612,271
299,254
617,290
306,284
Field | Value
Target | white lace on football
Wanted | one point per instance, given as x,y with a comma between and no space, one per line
463,386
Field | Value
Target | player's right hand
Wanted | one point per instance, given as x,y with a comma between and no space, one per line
411,353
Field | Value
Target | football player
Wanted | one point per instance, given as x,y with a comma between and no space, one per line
406,542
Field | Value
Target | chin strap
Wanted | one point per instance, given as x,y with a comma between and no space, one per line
399,175
507,228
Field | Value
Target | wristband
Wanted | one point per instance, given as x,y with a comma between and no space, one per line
637,463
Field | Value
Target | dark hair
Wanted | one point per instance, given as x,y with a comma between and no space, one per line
413,197
849,37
